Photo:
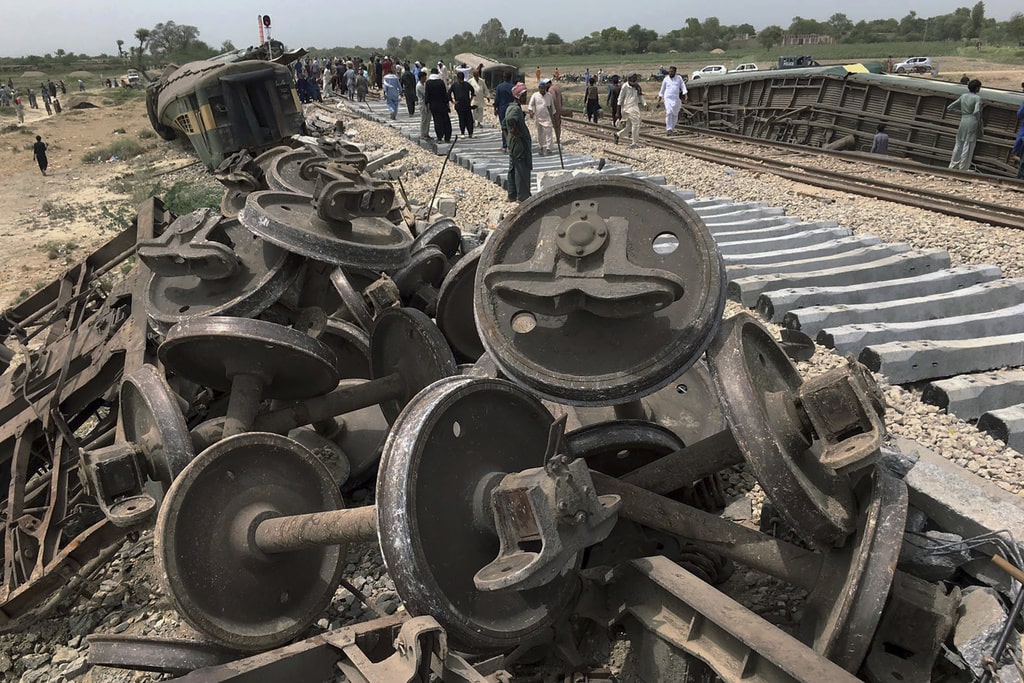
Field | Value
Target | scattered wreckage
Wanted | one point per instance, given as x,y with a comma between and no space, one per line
841,107
565,477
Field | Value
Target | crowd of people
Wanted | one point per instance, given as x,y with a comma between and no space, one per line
11,96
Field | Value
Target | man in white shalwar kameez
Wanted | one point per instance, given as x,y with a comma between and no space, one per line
673,92
541,109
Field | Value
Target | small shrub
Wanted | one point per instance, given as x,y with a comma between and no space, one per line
118,218
116,96
122,148
185,197
59,211
127,266
146,134
54,249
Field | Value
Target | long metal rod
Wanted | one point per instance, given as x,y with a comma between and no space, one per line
683,467
1004,636
751,548
441,174
334,527
338,402
689,615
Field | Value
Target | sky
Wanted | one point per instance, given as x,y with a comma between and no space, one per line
93,27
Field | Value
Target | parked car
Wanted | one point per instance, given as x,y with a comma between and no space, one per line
711,70
749,66
914,65
132,78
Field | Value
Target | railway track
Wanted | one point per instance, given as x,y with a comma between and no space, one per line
956,333
795,164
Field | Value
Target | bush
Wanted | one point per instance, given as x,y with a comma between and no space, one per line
115,96
185,197
123,148
59,211
54,248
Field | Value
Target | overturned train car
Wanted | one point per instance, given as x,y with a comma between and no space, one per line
223,107
841,107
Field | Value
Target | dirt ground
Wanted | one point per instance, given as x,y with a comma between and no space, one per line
48,223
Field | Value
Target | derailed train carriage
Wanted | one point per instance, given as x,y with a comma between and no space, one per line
841,106
226,104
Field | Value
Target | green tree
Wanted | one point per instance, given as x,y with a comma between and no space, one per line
227,46
516,37
492,35
407,46
839,25
142,35
120,48
799,25
912,26
392,45
977,18
1015,27
641,38
172,42
770,36
553,39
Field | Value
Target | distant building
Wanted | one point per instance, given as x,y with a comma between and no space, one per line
806,39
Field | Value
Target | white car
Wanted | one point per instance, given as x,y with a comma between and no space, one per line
916,65
750,66
712,70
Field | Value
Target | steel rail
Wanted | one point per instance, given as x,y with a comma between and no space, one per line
960,207
1006,183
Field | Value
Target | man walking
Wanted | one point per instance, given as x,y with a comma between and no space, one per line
392,89
520,152
476,81
438,102
541,111
502,99
613,100
421,97
409,87
39,152
673,92
556,109
631,98
462,94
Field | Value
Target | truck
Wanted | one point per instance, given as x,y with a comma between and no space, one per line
796,61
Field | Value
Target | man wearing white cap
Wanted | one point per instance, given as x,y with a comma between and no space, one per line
673,92
631,98
541,110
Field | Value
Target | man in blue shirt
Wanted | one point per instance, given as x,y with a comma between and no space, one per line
502,98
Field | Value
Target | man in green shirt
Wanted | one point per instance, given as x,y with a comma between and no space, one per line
968,106
520,146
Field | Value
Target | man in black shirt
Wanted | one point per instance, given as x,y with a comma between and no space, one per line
462,93
39,152
438,101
